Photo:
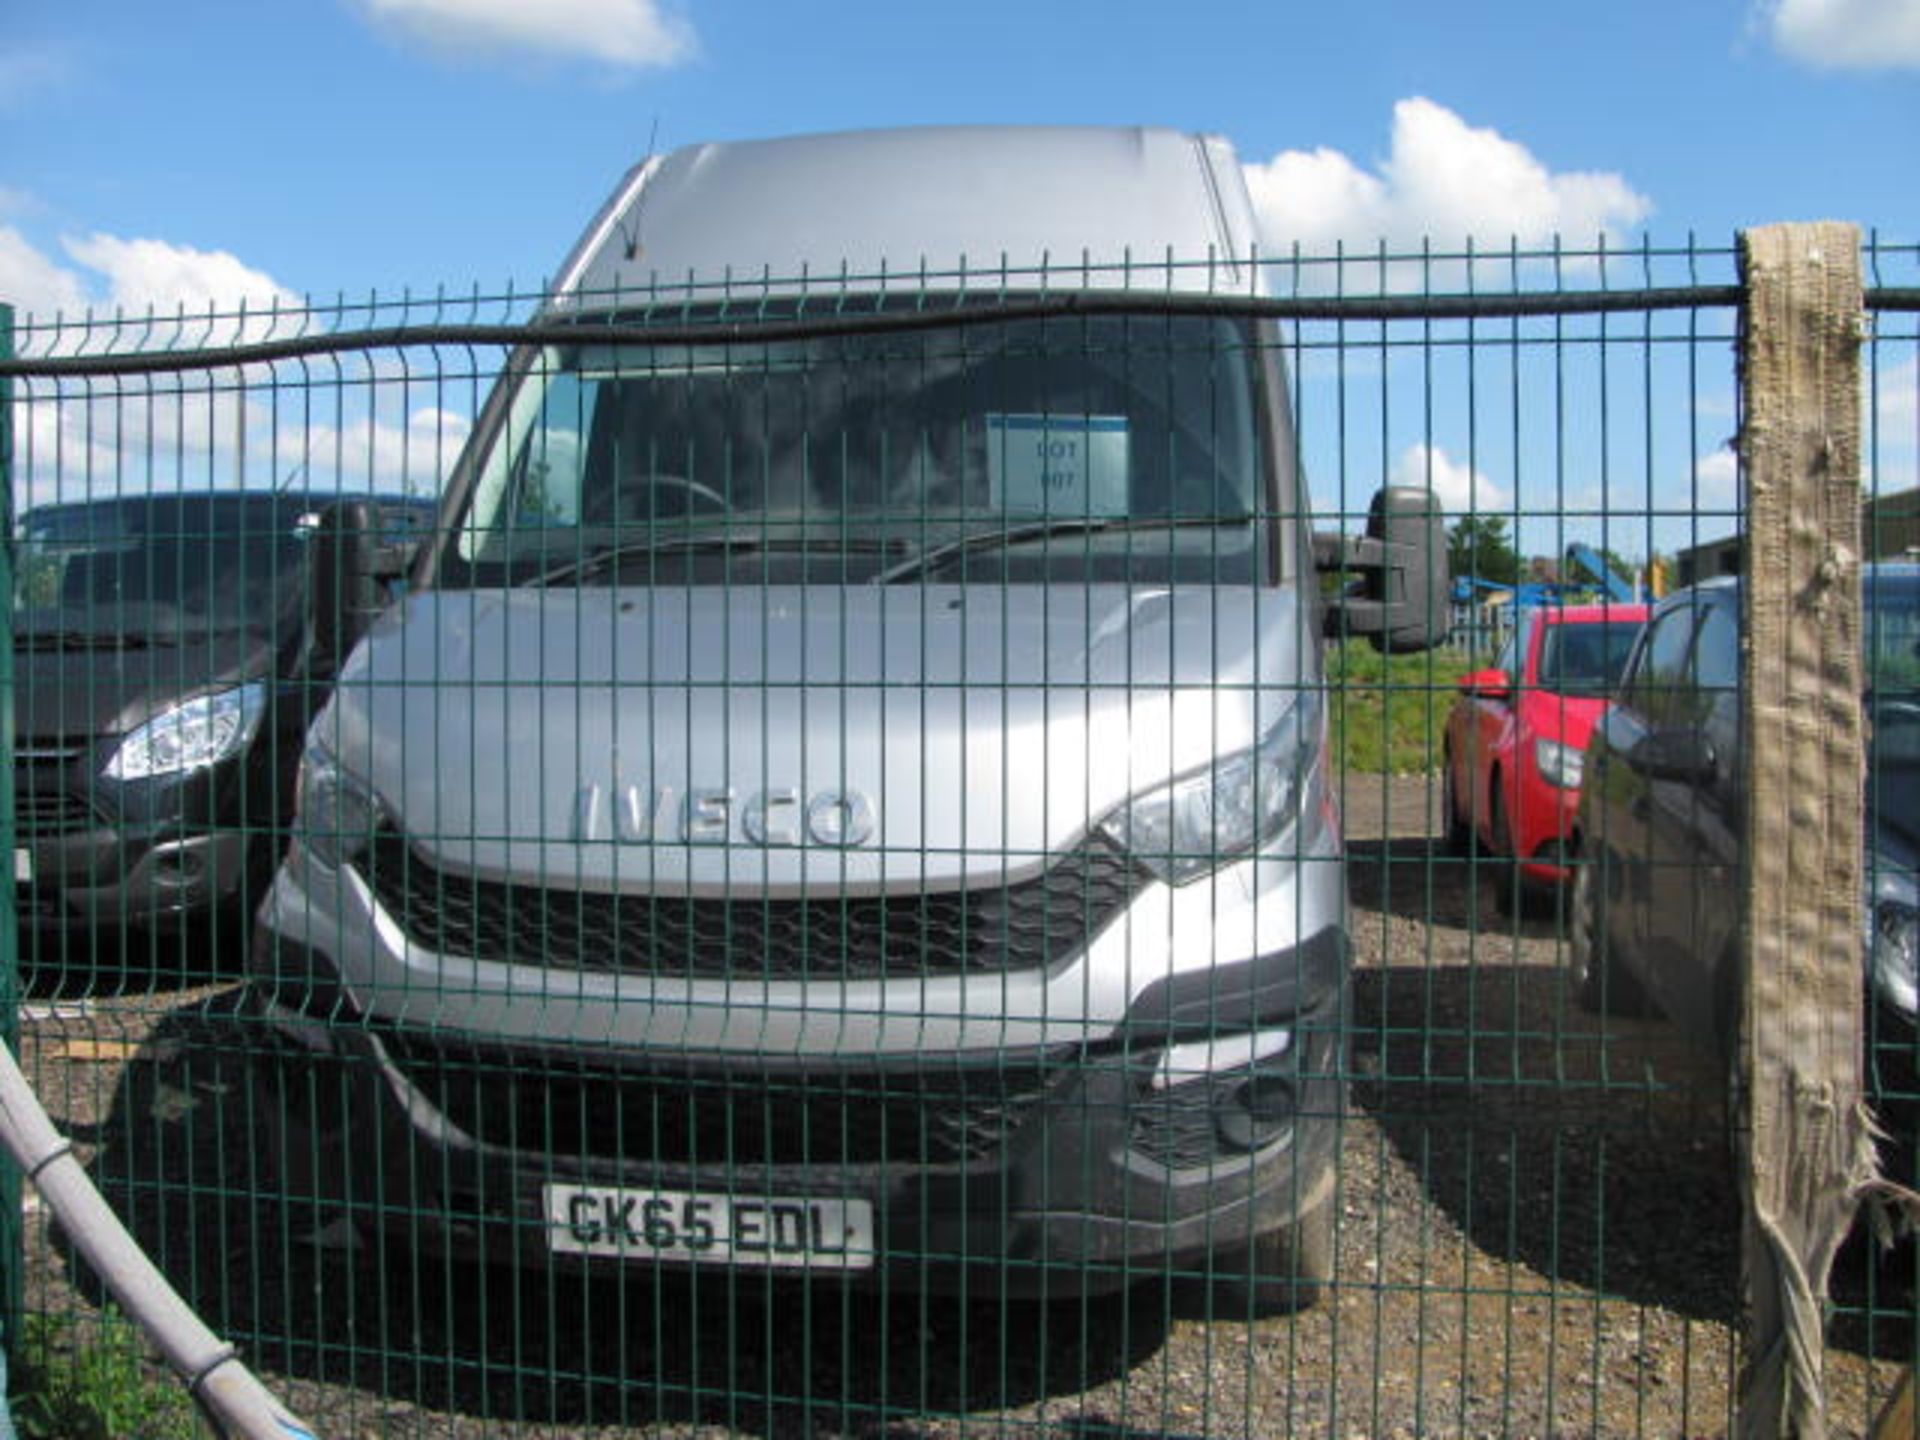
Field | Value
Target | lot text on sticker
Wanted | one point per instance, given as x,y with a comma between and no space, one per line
1058,465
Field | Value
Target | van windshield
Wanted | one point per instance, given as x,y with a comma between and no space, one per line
160,570
845,457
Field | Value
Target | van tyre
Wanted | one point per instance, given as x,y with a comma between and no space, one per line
1281,1272
1602,985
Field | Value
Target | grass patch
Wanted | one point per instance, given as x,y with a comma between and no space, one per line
90,1378
1389,712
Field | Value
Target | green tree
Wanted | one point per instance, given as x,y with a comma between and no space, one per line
1478,545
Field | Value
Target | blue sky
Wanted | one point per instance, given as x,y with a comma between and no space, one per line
352,144
219,149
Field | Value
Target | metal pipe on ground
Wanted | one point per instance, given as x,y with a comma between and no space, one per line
233,1399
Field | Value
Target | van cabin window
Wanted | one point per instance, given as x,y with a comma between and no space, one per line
1716,664
1145,437
1659,677
159,570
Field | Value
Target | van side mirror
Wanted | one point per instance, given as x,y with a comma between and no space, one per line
1400,600
350,580
1684,754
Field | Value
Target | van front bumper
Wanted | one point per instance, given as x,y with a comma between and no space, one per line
1076,1169
114,879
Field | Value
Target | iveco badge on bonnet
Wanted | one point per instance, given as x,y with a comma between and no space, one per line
781,815
847,793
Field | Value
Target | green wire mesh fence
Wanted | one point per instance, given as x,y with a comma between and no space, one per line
716,861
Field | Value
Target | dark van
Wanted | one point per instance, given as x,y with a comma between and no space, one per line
1657,920
163,680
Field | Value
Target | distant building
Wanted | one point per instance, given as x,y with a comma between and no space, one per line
1706,560
1889,525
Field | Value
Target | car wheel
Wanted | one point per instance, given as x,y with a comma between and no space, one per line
1507,885
1279,1273
1454,825
1602,985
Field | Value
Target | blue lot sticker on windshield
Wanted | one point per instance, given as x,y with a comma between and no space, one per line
1061,465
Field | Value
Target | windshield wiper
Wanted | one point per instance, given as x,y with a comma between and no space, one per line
81,640
935,556
715,542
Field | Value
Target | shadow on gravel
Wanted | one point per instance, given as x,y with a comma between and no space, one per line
178,1160
1591,1150
1588,1150
1550,1142
77,962
1418,878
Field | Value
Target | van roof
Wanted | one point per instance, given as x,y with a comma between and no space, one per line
922,207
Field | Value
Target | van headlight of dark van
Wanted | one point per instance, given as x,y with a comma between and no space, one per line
192,735
1893,941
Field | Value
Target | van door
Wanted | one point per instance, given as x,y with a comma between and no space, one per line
1623,801
1695,851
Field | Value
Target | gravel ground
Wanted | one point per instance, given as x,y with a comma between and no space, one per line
1537,1237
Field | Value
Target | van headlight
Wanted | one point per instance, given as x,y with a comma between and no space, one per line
337,815
191,735
1893,954
1559,765
1236,805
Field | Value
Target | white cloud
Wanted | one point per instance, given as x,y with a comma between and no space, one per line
413,454
195,295
93,444
152,274
1897,403
79,438
1716,480
1890,459
1444,180
627,33
1461,488
1845,34
31,282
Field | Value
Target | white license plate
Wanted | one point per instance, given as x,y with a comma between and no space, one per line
801,1232
22,866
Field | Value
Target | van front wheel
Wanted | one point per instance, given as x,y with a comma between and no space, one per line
1278,1273
1602,984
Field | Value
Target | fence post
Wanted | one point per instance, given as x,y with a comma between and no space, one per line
1804,1140
11,1228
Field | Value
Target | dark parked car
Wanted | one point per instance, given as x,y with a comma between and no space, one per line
1656,919
163,681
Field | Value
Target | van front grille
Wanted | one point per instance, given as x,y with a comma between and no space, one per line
42,802
934,1113
1027,925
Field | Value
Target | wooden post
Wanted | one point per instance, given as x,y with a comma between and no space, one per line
1804,1139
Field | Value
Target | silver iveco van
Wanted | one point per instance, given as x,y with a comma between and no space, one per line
847,793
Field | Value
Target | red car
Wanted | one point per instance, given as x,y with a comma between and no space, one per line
1517,736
